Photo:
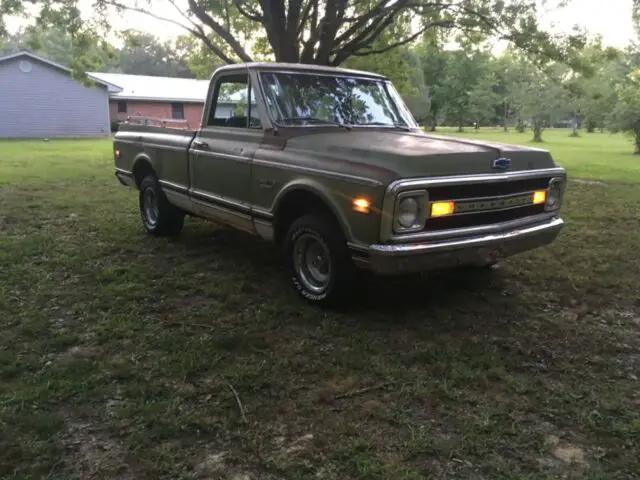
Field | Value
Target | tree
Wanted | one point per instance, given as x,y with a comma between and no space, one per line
57,45
507,73
600,96
433,58
144,54
327,32
539,96
467,88
141,54
626,114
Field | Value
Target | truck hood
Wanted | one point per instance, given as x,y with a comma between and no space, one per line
390,154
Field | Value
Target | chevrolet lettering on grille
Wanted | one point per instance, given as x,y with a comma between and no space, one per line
487,204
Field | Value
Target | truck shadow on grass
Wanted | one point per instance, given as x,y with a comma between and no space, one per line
260,263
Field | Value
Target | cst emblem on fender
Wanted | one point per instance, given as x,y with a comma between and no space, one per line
501,163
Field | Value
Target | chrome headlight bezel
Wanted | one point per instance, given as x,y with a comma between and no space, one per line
556,187
422,199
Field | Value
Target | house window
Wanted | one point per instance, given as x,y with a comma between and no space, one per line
177,111
122,107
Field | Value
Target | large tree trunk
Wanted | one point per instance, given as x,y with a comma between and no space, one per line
637,141
537,131
460,126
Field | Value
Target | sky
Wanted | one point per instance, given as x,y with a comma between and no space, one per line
609,18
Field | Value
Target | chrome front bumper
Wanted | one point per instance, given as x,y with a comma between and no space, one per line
450,252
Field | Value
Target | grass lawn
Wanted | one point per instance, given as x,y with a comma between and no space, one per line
124,356
595,156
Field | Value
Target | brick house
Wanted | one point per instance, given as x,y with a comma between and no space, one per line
166,98
180,99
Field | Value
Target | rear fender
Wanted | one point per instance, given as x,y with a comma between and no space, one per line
141,166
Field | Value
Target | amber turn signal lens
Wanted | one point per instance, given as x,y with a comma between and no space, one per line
361,205
539,197
440,209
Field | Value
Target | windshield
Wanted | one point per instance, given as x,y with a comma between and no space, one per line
305,99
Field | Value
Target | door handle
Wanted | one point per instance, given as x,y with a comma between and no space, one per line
264,183
200,145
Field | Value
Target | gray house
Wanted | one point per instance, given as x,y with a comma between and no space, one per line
38,98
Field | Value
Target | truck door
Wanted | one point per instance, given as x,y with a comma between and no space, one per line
221,153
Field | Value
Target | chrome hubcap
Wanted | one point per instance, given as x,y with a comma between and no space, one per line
311,263
150,203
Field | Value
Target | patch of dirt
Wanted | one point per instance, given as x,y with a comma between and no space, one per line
82,352
211,464
589,182
97,456
217,466
566,452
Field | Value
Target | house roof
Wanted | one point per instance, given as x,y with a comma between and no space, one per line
57,66
147,87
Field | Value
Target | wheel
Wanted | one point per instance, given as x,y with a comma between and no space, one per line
318,261
159,217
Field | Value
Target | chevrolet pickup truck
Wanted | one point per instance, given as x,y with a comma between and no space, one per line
329,164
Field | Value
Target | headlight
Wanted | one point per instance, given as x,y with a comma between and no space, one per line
554,195
407,212
410,211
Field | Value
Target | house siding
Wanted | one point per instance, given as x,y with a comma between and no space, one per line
47,102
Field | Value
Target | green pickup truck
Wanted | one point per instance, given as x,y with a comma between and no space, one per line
329,164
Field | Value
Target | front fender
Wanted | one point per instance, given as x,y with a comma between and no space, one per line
338,196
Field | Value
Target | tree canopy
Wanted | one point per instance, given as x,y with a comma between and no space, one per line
327,32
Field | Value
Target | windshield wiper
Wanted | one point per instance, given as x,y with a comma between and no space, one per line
315,120
383,124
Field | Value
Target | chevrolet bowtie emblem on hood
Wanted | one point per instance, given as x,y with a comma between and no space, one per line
501,163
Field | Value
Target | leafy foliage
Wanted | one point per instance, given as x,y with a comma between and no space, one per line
141,53
314,31
626,114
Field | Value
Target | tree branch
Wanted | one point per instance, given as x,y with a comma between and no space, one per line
443,23
303,18
196,30
254,17
314,32
361,21
219,30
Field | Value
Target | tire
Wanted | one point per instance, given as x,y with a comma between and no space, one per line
330,282
158,216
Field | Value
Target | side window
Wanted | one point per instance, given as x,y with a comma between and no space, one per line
233,104
122,106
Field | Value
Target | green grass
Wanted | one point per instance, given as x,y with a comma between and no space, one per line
592,156
119,352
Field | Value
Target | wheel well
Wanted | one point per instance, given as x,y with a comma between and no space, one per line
141,169
295,204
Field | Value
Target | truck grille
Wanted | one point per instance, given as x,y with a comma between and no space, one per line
495,202
478,190
482,218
